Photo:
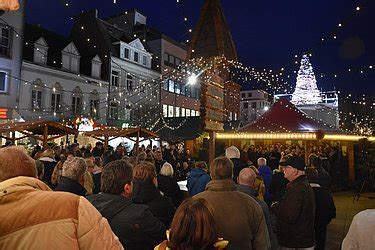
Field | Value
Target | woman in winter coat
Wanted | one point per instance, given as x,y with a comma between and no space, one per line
266,173
145,192
167,184
198,179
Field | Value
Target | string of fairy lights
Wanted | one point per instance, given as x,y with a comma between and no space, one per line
272,79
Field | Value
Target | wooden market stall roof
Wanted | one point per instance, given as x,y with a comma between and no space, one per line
40,130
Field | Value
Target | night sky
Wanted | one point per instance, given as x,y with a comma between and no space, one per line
268,34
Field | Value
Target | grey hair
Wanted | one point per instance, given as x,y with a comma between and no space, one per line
74,168
167,170
262,162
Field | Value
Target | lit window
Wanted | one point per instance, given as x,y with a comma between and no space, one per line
183,112
177,114
171,86
3,81
188,112
165,110
36,99
170,111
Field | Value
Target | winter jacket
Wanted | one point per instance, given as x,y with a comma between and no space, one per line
169,187
361,232
278,186
34,217
238,165
68,185
238,217
325,211
266,173
134,224
253,194
145,192
295,215
324,179
197,181
49,166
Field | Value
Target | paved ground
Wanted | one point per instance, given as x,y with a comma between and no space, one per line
345,211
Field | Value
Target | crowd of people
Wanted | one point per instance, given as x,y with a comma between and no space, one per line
253,198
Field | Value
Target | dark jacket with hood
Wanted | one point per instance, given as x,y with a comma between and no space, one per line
70,186
197,181
134,224
145,192
295,215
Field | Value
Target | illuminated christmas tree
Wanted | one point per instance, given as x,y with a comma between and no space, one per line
306,91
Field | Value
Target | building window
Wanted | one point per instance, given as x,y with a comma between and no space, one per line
113,110
3,81
94,108
166,85
142,87
56,102
183,89
165,110
188,112
136,57
246,105
183,112
177,109
235,116
170,111
243,95
36,99
115,79
249,94
5,45
178,61
177,88
144,60
76,105
166,57
129,83
254,105
171,86
126,53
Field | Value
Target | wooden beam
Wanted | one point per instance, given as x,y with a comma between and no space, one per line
45,137
351,161
211,146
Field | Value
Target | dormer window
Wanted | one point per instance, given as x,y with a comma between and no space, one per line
136,57
96,67
144,60
126,53
40,51
70,58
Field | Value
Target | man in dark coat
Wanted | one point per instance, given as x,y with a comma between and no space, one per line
134,224
73,176
324,180
98,150
159,161
295,212
233,153
325,209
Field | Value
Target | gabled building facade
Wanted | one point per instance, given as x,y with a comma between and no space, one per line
53,86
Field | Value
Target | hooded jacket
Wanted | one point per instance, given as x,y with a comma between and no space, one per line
34,217
134,224
197,181
145,192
